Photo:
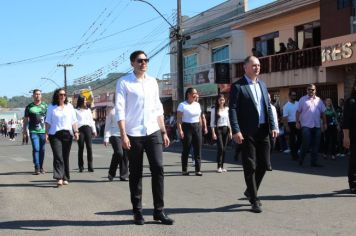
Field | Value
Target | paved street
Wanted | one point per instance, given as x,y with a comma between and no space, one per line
296,200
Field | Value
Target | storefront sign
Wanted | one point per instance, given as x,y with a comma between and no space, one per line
336,52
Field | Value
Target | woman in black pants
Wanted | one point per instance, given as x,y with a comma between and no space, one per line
349,128
119,157
331,130
87,129
220,129
189,126
61,125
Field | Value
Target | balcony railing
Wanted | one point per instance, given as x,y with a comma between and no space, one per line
298,59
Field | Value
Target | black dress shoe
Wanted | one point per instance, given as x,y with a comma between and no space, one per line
81,169
161,216
247,195
124,179
256,208
186,173
138,219
110,178
90,169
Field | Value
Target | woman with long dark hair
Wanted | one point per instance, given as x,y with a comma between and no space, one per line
189,124
220,129
349,128
61,126
87,129
331,130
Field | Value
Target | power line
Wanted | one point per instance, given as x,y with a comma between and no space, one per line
64,50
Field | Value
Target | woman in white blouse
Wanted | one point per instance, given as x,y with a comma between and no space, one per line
61,126
189,125
87,129
220,129
119,157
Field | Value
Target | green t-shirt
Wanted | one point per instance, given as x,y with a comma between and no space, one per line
36,117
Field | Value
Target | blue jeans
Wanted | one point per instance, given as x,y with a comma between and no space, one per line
310,142
38,149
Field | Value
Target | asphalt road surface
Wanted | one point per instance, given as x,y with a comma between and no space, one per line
296,200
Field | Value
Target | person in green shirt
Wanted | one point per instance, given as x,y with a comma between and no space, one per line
35,114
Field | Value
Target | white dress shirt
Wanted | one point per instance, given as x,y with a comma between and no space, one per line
223,119
137,102
60,118
275,117
191,111
85,117
258,98
111,126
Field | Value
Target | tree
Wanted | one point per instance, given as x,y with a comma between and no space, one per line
3,101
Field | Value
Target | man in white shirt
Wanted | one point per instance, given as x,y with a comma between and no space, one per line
289,118
140,118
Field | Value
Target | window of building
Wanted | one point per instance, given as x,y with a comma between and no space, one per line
308,35
220,54
343,4
267,44
190,65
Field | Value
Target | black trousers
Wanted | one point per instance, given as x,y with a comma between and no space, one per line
331,140
85,136
192,136
294,140
61,143
12,133
255,153
222,135
352,164
119,158
153,146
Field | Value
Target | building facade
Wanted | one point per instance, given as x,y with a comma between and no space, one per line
298,42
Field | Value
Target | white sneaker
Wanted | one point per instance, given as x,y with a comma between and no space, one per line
224,170
65,182
219,170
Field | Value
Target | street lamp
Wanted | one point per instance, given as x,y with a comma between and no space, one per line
177,34
52,81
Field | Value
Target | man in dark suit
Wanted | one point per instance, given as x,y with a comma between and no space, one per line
252,122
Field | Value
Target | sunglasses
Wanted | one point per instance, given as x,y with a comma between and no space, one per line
140,60
62,94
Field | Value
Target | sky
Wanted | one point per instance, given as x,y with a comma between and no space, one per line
95,36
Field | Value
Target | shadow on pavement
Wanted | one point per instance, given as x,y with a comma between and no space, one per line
45,225
175,211
340,193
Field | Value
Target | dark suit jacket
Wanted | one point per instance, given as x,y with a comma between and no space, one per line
243,113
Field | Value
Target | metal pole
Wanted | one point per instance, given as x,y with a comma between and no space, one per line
180,84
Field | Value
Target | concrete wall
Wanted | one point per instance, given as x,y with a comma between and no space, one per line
329,13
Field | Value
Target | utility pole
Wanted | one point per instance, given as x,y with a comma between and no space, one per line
180,83
65,74
177,34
